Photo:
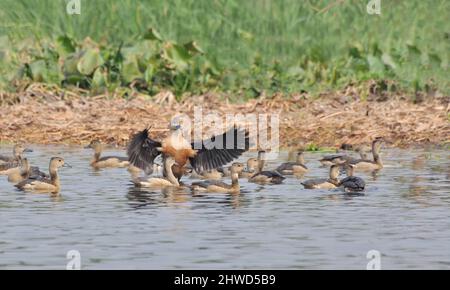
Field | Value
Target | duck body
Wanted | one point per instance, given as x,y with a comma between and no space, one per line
366,165
324,183
329,160
9,168
267,177
290,168
320,183
24,171
39,184
110,162
352,184
153,182
214,186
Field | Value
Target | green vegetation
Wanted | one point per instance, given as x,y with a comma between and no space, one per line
240,46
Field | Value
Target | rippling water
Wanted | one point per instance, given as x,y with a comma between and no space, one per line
404,214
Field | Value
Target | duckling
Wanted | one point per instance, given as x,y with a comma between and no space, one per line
45,184
297,167
25,171
218,186
376,164
18,150
261,176
323,183
252,167
107,161
160,182
352,183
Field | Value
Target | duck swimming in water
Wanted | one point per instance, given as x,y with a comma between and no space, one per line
329,160
251,168
11,164
352,183
201,155
364,164
219,186
226,171
160,182
25,171
324,183
264,177
45,184
107,161
297,167
18,150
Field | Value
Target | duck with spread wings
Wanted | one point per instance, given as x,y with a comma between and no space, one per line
201,155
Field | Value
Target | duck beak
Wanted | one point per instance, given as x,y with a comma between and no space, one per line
28,150
67,165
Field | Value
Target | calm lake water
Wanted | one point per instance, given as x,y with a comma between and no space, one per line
404,214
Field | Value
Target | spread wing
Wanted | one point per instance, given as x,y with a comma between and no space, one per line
142,150
219,150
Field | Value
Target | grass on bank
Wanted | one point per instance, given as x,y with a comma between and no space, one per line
245,47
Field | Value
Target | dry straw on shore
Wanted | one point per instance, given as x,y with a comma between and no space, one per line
40,115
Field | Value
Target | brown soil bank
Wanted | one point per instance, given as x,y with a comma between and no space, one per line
328,121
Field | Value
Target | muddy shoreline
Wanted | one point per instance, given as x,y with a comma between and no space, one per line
330,120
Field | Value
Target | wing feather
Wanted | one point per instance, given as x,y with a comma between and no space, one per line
209,157
142,150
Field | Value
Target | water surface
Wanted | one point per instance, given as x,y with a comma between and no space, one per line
404,214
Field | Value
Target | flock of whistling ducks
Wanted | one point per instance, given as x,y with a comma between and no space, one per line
198,159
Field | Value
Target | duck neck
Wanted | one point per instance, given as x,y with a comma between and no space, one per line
300,159
97,154
169,174
375,151
234,179
334,174
349,171
54,177
261,162
17,156
25,169
377,159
